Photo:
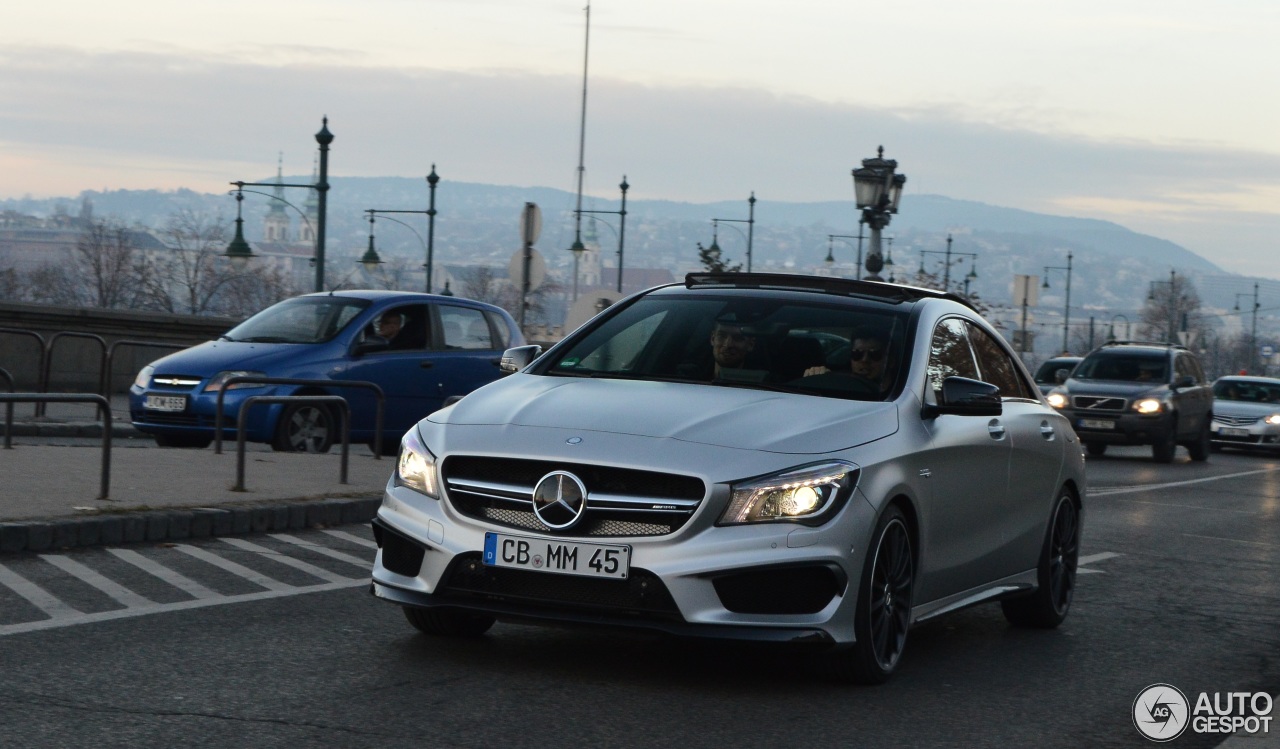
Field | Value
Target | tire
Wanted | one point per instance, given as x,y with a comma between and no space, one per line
1056,572
1202,446
1096,449
448,622
183,440
882,615
1164,450
305,427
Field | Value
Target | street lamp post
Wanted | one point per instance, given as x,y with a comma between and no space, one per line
750,221
432,180
1066,310
878,191
622,233
324,138
1253,331
946,273
831,257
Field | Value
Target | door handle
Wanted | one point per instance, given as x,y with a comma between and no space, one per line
1046,431
995,429
426,364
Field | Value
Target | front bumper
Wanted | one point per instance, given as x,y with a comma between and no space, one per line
700,581
198,418
1259,434
1119,428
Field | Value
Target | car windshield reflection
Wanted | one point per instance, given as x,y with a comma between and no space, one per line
300,320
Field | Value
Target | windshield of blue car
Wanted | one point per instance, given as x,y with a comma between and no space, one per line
300,320
1246,392
1128,367
833,350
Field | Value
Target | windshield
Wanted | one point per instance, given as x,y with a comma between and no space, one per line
1247,392
1124,368
299,320
1048,372
840,351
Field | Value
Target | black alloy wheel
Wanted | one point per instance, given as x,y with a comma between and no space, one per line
883,612
1056,573
305,427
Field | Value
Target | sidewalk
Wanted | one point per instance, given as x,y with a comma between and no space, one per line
71,420
49,494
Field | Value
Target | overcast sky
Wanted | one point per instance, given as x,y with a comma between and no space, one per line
1159,115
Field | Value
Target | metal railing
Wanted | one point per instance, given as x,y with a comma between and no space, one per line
104,408
255,399
47,362
39,339
111,354
9,378
257,380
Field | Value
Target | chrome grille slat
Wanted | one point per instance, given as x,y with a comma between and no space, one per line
1236,420
1099,403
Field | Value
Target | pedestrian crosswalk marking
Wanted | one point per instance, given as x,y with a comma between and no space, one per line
108,587
297,564
238,570
352,538
177,580
51,605
324,550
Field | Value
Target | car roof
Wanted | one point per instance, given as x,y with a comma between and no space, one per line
843,287
1249,378
382,295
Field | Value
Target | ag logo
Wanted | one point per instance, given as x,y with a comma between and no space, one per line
1160,713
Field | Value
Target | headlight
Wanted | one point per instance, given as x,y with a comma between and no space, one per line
144,377
803,495
1057,400
416,467
1148,406
221,378
1273,419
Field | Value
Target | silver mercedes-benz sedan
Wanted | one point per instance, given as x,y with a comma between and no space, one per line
700,459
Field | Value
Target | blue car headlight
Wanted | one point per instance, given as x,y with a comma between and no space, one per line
808,495
219,380
144,377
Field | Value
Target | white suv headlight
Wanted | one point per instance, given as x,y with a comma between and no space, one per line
1056,399
1148,406
805,495
416,467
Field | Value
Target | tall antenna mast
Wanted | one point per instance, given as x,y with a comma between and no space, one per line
578,247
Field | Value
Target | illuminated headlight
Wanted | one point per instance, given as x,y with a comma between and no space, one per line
1273,419
1057,400
416,467
805,495
144,377
1148,406
219,380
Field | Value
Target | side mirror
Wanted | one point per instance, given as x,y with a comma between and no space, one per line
1061,375
1185,381
516,359
370,345
962,396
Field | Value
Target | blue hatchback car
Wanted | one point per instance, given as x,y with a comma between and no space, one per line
421,349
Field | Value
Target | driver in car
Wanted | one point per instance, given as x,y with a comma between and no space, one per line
868,360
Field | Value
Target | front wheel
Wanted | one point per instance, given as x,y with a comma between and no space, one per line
448,622
1202,445
304,428
1056,572
1163,449
883,612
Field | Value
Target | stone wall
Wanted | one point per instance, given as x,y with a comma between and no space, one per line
76,360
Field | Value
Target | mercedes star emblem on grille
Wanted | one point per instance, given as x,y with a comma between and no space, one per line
559,500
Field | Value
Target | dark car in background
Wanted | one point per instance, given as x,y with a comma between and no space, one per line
445,347
1047,375
1246,412
1137,393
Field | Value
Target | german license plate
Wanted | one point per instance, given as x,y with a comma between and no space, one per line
165,403
1233,432
562,557
1097,424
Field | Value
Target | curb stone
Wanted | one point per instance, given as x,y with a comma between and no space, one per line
166,525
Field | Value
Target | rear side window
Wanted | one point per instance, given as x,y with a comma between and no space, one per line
465,328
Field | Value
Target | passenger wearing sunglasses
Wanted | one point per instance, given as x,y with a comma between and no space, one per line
868,355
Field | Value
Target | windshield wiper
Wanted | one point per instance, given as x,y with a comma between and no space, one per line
267,339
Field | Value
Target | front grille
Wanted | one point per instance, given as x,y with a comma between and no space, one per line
1236,421
620,501
641,594
1098,403
183,383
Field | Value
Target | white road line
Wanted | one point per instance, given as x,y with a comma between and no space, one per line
365,564
106,616
235,569
51,605
1232,540
285,559
181,582
1097,557
352,538
106,585
1188,482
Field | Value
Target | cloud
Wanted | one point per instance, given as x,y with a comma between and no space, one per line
142,120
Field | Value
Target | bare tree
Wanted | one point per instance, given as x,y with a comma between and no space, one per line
246,293
482,284
53,283
109,263
1171,306
191,276
713,260
10,285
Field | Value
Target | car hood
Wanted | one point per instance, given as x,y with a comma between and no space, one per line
1244,408
212,357
737,418
1112,387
